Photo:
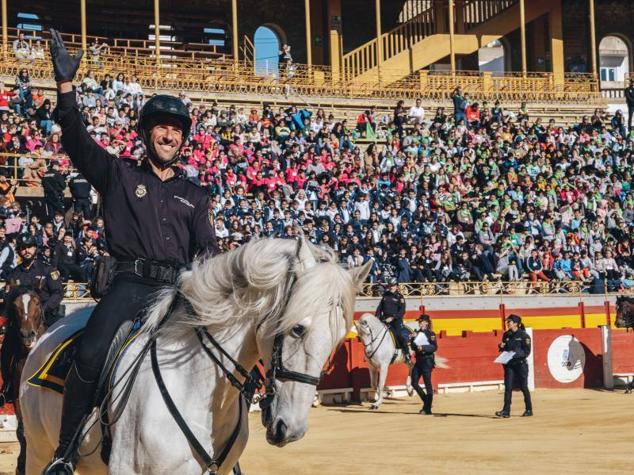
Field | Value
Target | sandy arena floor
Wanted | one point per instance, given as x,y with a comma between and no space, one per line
573,431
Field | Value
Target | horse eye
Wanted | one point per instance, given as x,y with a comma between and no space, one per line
298,331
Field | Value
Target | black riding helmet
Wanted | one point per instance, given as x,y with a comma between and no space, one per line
162,105
25,241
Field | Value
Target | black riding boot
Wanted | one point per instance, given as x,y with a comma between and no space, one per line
427,405
78,400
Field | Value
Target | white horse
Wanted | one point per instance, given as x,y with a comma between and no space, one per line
379,351
285,302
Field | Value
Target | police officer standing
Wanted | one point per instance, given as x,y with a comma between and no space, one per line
156,223
80,191
42,278
390,311
424,344
54,184
516,340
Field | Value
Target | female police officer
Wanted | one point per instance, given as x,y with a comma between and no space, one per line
156,222
424,345
516,340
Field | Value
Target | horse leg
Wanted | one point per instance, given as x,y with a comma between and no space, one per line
408,384
380,387
628,387
373,381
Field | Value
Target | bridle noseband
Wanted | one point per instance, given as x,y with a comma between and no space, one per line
372,340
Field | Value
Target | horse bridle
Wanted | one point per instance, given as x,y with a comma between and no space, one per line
248,388
372,340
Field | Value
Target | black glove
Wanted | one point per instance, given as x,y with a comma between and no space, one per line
64,65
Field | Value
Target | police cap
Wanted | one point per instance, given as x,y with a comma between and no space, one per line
164,104
26,241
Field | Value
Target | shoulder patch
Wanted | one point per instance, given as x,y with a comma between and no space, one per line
55,275
528,340
432,337
210,213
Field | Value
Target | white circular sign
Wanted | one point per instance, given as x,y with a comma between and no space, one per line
566,359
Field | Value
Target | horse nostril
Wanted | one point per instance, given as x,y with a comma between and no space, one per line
280,430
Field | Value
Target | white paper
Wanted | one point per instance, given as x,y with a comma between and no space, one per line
504,357
421,340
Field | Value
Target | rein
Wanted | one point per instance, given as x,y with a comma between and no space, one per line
372,340
247,388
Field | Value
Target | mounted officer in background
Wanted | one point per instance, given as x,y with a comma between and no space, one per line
390,311
35,275
156,223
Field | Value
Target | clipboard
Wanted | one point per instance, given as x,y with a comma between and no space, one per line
504,357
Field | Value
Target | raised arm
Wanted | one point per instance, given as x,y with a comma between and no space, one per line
96,164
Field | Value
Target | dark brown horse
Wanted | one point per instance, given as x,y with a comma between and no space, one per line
625,319
25,326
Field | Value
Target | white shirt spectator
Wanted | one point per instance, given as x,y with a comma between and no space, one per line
416,113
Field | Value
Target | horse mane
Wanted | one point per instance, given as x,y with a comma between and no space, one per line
253,281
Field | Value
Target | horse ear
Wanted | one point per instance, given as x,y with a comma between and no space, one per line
305,255
359,274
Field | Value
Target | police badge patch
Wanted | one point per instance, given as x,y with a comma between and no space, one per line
55,275
140,191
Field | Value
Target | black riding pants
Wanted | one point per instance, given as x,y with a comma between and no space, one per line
427,396
516,371
125,300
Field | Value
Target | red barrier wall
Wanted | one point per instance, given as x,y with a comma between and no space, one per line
470,359
622,351
590,341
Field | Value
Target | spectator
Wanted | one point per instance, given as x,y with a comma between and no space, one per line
54,184
94,52
416,114
21,47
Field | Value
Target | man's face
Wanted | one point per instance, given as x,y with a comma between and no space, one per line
28,252
166,138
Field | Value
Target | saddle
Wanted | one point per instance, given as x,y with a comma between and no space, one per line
406,333
52,375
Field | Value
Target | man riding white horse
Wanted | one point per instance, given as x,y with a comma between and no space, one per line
156,222
390,311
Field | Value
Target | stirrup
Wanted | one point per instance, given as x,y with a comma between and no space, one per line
59,466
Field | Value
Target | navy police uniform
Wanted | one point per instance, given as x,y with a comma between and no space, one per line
425,363
45,281
516,370
153,228
393,305
80,191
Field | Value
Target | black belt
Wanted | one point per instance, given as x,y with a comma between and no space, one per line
149,269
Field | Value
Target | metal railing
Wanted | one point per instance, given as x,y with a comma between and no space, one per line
79,291
226,76
487,288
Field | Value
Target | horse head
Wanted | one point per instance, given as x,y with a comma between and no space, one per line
624,312
26,317
316,318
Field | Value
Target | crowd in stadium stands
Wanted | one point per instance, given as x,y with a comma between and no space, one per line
472,194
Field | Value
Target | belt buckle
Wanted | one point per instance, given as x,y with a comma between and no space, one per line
138,263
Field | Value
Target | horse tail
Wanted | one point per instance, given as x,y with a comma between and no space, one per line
442,362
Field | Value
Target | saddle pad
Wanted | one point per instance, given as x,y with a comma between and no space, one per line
52,374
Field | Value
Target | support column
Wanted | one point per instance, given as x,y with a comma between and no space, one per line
309,41
5,29
440,16
335,40
234,30
593,39
82,12
460,18
379,39
157,31
452,48
557,43
523,36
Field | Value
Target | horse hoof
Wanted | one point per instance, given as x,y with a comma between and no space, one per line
374,407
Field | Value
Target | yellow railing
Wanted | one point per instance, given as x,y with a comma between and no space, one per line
422,25
476,12
225,76
364,58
